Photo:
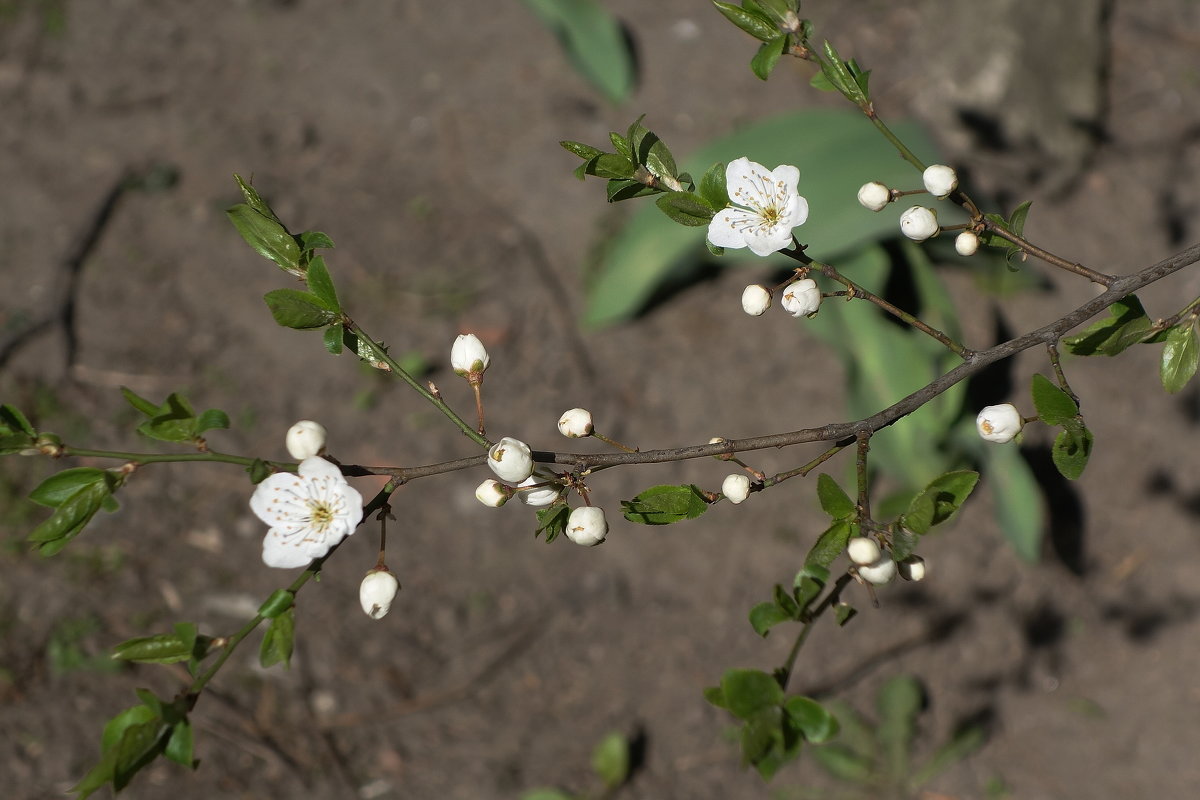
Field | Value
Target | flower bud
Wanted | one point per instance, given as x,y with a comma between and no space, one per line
999,423
377,591
880,572
492,493
543,495
919,223
940,180
575,423
511,460
966,243
587,526
305,439
756,299
912,568
736,487
863,551
874,196
802,298
468,356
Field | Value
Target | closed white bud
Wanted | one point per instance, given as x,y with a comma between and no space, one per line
468,355
874,196
575,423
882,571
940,180
511,460
756,299
305,439
543,495
919,223
912,568
802,298
863,550
377,591
493,493
587,526
736,487
966,243
999,423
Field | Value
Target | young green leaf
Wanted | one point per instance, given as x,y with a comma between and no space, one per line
279,601
313,240
1054,406
180,747
765,616
55,490
333,338
830,544
584,151
685,208
211,419
267,236
552,520
321,285
293,308
938,501
1071,450
663,505
163,648
712,189
768,56
813,719
610,760
807,585
754,23
1125,325
13,421
834,500
747,691
278,641
1180,357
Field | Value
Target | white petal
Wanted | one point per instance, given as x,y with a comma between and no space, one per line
317,467
281,553
797,211
769,241
722,230
749,183
789,176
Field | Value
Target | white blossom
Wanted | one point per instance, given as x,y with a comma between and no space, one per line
882,571
912,568
736,487
468,355
305,439
377,591
919,223
940,180
874,196
999,423
587,526
543,495
511,460
966,243
863,550
575,423
308,513
756,299
767,205
802,298
492,493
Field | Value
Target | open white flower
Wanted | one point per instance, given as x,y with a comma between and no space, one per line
308,513
767,206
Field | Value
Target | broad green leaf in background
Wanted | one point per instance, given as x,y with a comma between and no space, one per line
835,151
593,40
1017,497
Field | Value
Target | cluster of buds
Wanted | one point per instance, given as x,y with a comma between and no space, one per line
920,223
877,567
801,298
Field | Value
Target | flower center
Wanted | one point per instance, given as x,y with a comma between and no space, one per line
320,514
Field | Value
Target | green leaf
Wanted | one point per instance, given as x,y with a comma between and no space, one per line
140,744
163,648
712,189
552,520
1054,406
621,145
1125,325
174,422
898,702
650,150
1180,357
830,544
757,25
938,501
807,585
844,764
259,471
593,40
13,421
716,697
662,505
56,489
213,418
763,734
254,199
963,744
314,240
685,208
813,719
140,403
1018,498
611,165
584,151
835,148
843,613
765,616
748,691
768,56
279,601
333,338
69,519
610,760
1016,222
834,501
292,308
321,285
1071,450
180,745
267,236
278,640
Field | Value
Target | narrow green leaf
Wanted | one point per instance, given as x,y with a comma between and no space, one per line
830,544
212,419
834,501
163,648
292,308
1016,222
747,691
621,145
765,616
140,744
844,764
321,285
757,25
584,151
685,208
1071,451
13,421
140,403
552,520
593,40
1180,357
279,601
663,505
278,641
254,199
813,719
69,519
768,56
1054,406
267,236
56,489
610,760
